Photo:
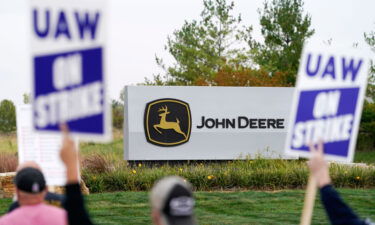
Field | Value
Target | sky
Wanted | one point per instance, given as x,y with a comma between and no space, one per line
137,30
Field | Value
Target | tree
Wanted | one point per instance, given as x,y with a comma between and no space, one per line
7,116
26,98
367,126
370,39
201,48
285,28
242,76
118,111
117,114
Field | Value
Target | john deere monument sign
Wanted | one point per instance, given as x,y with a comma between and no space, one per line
205,123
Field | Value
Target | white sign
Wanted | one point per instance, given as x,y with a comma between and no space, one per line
205,123
328,102
41,148
68,52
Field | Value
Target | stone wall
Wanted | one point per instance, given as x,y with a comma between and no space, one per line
7,187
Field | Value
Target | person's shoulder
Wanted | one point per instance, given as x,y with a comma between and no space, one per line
4,218
9,217
52,213
52,209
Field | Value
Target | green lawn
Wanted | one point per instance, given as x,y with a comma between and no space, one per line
365,157
250,207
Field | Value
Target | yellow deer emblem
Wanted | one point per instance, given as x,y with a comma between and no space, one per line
164,124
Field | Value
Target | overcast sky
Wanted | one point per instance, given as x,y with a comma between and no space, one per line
138,30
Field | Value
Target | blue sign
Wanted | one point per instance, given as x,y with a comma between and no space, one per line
325,115
68,68
328,101
75,97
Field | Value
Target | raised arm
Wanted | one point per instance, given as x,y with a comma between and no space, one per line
77,214
338,211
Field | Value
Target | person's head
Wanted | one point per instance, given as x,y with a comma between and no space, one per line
172,202
30,185
26,164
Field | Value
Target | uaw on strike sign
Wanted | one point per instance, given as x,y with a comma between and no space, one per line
68,48
328,102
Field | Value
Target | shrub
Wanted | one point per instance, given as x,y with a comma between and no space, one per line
117,114
7,116
258,174
366,136
96,164
9,162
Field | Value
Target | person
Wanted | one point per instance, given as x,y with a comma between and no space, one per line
31,191
74,203
172,202
339,213
50,198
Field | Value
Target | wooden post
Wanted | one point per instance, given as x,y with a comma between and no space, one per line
308,206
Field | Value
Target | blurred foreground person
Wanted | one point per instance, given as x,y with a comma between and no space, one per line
31,191
74,203
338,212
50,198
172,202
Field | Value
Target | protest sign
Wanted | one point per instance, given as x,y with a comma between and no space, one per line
328,102
68,58
41,148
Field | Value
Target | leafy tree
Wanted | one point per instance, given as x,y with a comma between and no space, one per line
366,137
285,28
118,111
7,116
242,76
367,126
26,98
201,48
117,114
370,39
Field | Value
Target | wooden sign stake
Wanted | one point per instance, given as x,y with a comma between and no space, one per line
308,206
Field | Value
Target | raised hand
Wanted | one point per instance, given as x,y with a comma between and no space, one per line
69,155
318,166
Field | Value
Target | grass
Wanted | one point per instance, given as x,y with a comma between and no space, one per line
8,143
214,208
365,157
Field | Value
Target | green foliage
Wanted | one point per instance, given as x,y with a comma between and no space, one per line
285,28
370,39
117,114
26,98
259,174
366,137
7,116
201,48
364,156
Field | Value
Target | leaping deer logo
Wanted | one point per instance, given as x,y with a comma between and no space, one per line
164,124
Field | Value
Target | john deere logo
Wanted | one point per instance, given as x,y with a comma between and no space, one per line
167,122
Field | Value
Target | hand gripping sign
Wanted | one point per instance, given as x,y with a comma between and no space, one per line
328,102
68,51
